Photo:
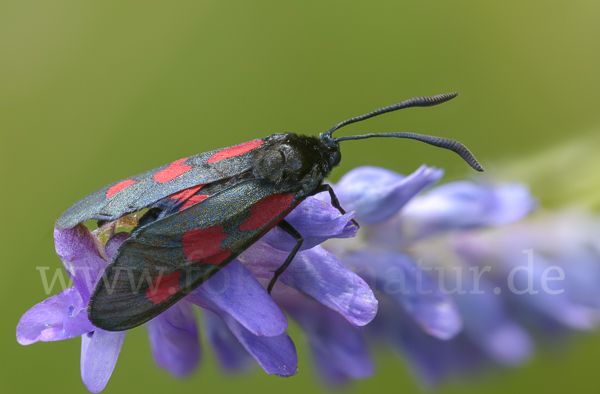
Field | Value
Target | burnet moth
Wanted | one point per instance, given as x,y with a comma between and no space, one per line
205,210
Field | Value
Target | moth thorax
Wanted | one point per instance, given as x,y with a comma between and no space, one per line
282,162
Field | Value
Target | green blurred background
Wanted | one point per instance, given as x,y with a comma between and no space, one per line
93,92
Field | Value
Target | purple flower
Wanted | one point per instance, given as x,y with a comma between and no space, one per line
461,284
536,276
242,321
64,315
546,268
388,269
442,332
340,351
376,194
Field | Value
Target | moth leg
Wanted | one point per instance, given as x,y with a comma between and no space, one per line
285,226
334,200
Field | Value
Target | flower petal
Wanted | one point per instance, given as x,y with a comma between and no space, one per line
487,324
113,244
319,274
376,194
340,350
507,343
464,204
78,322
230,353
234,290
82,255
50,320
99,353
525,273
557,307
174,339
397,276
317,221
276,355
432,359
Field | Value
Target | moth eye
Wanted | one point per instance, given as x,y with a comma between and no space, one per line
335,158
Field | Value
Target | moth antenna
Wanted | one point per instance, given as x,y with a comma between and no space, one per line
413,102
445,143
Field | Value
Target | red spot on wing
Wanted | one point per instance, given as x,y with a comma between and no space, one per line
267,210
174,170
203,243
188,196
217,258
193,201
277,222
119,187
163,287
235,150
185,193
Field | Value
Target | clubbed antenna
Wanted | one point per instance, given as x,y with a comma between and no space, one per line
413,102
445,143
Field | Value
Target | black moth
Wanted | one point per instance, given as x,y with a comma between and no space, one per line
207,209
